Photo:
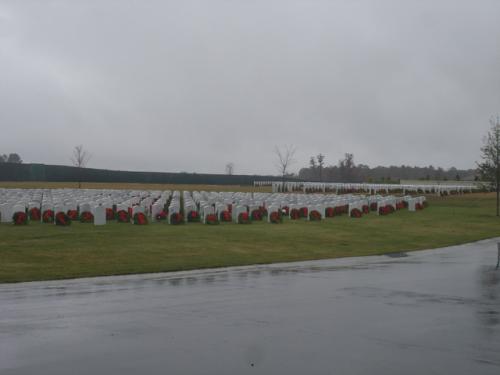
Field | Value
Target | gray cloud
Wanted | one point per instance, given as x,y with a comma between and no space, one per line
190,85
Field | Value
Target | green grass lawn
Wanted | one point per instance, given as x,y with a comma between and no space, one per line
42,251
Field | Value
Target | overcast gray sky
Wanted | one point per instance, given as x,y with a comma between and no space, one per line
189,85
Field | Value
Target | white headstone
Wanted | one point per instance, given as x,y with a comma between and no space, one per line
155,210
100,215
6,213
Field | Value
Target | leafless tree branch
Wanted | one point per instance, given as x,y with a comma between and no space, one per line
284,159
80,159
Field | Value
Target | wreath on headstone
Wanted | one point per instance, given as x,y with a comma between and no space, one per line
193,216
386,210
294,214
63,219
72,214
176,218
225,216
303,211
276,217
140,219
329,212
20,218
314,215
256,215
356,213
86,217
110,214
122,216
35,214
243,218
211,219
48,216
162,215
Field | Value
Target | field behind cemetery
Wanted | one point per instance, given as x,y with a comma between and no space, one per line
129,186
42,252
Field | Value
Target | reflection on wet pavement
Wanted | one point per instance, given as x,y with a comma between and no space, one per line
423,312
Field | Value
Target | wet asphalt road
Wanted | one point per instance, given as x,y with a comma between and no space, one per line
431,312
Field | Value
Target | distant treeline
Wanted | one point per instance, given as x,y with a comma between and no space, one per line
347,171
363,173
60,173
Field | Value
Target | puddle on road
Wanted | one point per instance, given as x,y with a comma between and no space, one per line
396,255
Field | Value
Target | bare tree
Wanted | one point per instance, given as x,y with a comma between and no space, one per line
312,163
321,163
14,158
230,168
347,168
489,168
313,167
11,158
284,158
80,159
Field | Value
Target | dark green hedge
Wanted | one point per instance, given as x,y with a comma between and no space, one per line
61,173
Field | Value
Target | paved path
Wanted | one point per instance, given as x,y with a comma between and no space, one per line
431,312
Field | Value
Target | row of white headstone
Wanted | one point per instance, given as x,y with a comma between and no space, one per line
215,203
337,188
88,200
152,203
